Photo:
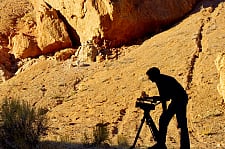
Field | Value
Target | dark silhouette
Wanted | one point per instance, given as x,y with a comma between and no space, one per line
170,89
147,104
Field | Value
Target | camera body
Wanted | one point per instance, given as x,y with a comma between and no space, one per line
144,106
147,103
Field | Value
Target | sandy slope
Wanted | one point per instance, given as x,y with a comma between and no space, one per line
79,98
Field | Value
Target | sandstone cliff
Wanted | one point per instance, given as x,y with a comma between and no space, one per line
119,22
42,27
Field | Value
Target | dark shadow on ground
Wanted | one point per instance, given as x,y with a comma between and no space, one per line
65,145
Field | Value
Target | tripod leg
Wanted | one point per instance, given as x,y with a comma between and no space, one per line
138,133
152,126
154,131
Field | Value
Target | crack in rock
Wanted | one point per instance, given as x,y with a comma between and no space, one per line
195,56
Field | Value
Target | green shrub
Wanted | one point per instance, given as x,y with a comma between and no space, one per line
86,140
122,141
22,125
100,133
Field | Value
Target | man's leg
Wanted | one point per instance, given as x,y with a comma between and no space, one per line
182,124
164,122
184,141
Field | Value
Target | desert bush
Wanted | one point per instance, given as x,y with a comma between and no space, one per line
122,141
22,125
86,140
100,133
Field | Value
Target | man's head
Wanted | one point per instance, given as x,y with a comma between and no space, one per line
153,73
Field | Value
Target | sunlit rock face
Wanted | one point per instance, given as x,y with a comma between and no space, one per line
119,21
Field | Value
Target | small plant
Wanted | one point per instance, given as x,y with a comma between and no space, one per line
86,140
65,139
122,141
21,125
100,133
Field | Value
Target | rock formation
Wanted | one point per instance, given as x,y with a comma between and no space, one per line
48,34
105,21
120,21
24,46
80,97
64,54
51,31
87,52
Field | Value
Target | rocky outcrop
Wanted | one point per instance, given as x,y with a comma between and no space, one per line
51,31
120,21
24,46
11,11
87,52
46,34
108,23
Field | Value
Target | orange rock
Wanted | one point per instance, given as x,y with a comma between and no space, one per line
24,46
51,31
120,21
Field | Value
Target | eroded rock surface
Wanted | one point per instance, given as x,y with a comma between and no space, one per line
120,21
24,46
40,32
51,31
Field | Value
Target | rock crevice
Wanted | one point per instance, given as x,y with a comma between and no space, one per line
195,56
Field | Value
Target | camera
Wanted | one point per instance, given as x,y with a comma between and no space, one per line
147,103
144,106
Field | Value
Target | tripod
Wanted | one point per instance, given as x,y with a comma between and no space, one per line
150,123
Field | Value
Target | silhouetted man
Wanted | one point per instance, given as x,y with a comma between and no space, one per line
170,89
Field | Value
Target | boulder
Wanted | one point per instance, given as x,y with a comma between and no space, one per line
51,31
64,54
24,46
87,52
39,32
120,21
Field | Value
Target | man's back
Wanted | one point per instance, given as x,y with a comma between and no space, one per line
169,88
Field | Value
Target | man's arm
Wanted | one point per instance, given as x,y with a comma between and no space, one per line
164,106
162,100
